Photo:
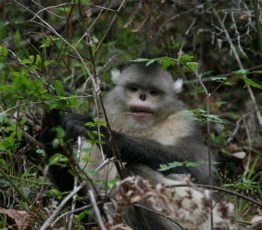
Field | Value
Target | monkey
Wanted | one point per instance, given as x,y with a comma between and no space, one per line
149,130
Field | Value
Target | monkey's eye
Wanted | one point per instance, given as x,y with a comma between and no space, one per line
154,92
132,88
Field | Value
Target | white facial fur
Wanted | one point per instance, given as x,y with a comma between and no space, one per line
144,95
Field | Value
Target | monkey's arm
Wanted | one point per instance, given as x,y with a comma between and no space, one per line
136,150
151,153
132,149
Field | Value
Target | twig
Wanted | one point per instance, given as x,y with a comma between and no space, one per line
75,185
232,47
104,163
110,25
70,212
61,205
16,188
177,16
208,142
231,136
96,87
96,209
61,26
31,139
47,9
249,149
41,102
259,32
237,34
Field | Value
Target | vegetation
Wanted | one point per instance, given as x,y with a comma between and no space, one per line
59,55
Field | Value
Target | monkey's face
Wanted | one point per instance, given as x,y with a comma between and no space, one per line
142,102
143,96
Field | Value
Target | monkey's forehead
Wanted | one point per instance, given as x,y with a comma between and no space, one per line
147,77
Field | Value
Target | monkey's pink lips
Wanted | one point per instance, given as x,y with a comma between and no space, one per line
142,114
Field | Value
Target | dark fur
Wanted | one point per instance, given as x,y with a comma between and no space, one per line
135,150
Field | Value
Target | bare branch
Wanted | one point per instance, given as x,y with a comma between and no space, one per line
96,209
232,47
61,205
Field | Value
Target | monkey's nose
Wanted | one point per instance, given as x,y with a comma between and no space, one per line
142,97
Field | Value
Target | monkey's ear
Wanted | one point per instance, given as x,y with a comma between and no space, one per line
178,85
115,75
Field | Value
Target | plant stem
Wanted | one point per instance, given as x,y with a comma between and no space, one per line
259,33
15,186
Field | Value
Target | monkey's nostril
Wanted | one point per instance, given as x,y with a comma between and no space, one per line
142,97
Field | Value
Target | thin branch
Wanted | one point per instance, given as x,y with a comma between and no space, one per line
249,149
177,16
110,25
67,43
104,163
96,209
47,9
61,205
41,102
232,47
73,206
82,208
208,141
259,32
16,188
237,34
232,135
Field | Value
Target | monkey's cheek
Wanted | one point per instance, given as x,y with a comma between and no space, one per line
142,117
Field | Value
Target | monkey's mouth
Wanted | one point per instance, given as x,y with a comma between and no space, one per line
142,114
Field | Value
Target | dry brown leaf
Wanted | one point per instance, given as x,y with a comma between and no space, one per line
15,216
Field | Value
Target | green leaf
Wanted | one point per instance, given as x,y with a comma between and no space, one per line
86,150
252,169
93,172
111,183
193,65
86,158
38,61
215,118
171,165
140,60
3,51
18,39
257,72
196,164
251,82
218,79
27,61
165,167
48,62
150,62
59,88
90,124
186,58
41,152
240,71
177,45
57,158
167,63
4,119
199,115
228,83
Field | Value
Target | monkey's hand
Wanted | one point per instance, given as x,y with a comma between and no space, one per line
74,125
